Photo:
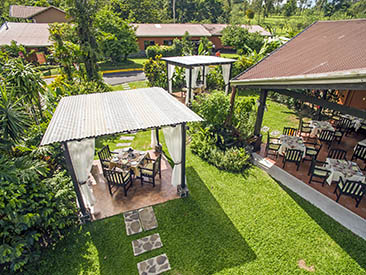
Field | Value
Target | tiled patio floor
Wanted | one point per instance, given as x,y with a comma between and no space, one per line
348,143
137,197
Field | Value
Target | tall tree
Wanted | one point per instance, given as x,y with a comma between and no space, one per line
83,13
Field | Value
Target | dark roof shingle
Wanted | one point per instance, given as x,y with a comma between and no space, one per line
18,11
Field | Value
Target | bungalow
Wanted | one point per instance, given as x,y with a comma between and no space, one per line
163,34
49,14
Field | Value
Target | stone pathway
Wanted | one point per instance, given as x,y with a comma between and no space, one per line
126,138
147,218
144,219
123,144
125,86
132,222
156,265
146,244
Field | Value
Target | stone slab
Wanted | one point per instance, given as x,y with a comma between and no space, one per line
126,138
147,218
156,265
123,144
146,244
132,222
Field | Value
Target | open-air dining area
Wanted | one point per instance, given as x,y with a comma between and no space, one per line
334,167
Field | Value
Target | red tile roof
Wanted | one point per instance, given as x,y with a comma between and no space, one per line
178,30
325,46
216,29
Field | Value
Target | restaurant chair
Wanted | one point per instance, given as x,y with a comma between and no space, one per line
312,150
354,189
117,177
346,124
272,146
105,156
318,170
337,154
305,128
359,153
326,136
293,155
288,131
339,133
150,169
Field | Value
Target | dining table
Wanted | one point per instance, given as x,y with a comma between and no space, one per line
129,159
291,142
318,125
344,169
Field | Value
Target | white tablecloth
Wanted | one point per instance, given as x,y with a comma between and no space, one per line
356,121
362,142
291,142
318,126
343,169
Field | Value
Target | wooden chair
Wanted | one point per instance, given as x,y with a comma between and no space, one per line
346,124
117,179
288,131
312,150
318,170
305,128
359,153
326,136
105,156
337,154
354,189
150,169
293,155
272,146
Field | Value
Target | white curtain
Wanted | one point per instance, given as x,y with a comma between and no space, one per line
154,142
207,70
226,75
170,77
173,140
82,156
195,76
187,85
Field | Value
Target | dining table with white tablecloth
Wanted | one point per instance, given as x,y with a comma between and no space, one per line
356,122
345,169
291,142
317,126
129,159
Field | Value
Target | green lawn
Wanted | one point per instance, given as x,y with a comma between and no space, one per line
230,224
133,85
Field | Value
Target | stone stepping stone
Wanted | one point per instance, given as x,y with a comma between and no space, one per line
147,218
132,222
126,138
146,244
156,265
123,144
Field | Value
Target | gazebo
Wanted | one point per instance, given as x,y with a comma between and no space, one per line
195,64
79,119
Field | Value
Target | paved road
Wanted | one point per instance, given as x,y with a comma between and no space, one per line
117,78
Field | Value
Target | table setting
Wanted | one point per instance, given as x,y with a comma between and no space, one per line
344,169
129,159
291,142
318,126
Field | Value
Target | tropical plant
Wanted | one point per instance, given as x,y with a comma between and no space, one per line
156,72
205,46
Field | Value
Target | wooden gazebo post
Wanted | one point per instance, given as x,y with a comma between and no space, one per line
182,188
260,113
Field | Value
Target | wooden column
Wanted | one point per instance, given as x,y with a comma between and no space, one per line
167,76
260,113
157,135
183,160
71,170
319,111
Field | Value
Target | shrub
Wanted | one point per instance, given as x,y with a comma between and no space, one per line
156,72
156,50
34,210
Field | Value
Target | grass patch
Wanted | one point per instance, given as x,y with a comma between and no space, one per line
230,224
133,85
